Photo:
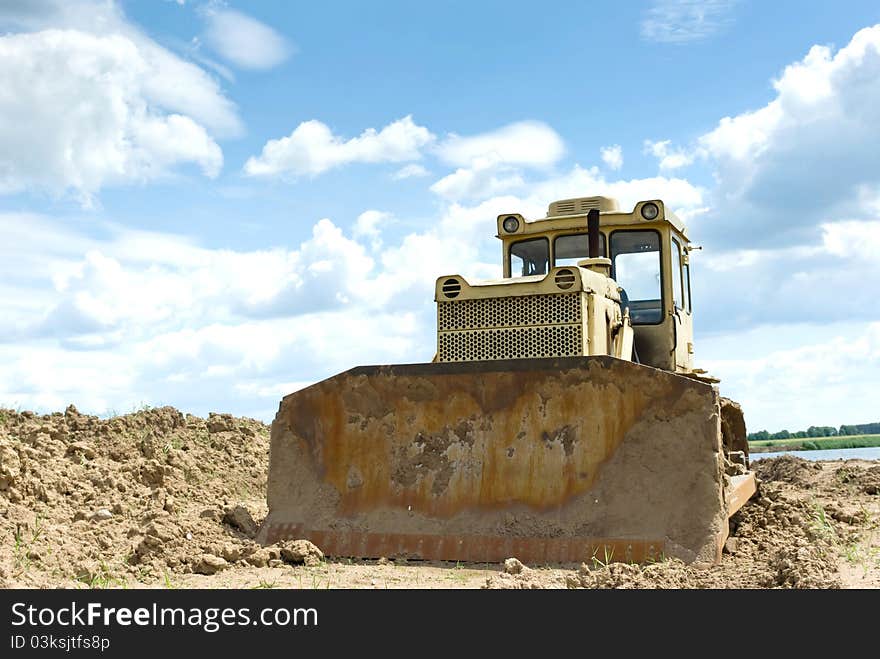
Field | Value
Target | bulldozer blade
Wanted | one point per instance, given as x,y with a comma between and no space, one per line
549,460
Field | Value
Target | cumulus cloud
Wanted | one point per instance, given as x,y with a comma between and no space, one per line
682,196
852,240
668,157
246,324
685,21
369,225
116,290
413,170
491,163
484,178
828,377
523,143
612,156
312,149
164,313
243,40
739,289
808,157
101,104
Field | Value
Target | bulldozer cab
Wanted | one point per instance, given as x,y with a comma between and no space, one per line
649,253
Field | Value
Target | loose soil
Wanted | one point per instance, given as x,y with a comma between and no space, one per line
159,499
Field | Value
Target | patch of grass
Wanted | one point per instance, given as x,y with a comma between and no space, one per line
651,559
170,585
607,557
861,556
102,579
843,475
144,573
265,585
458,573
821,525
816,443
15,408
37,531
24,538
20,550
175,443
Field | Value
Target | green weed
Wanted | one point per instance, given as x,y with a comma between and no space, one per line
265,585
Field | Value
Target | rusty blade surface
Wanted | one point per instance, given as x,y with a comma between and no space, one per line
469,548
551,450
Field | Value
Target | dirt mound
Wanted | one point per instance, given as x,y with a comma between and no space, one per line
138,496
867,480
516,576
788,468
808,521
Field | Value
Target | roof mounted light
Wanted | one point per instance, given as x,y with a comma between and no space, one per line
650,211
510,224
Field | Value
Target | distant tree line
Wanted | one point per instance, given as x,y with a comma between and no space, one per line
819,431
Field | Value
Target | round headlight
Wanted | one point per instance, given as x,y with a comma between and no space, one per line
650,211
510,224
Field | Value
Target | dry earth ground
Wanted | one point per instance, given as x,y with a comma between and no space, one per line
159,499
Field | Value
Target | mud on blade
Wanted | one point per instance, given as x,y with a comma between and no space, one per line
549,460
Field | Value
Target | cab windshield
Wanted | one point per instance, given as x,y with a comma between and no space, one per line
568,250
529,257
635,266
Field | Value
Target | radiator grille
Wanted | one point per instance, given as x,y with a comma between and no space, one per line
514,343
556,309
510,328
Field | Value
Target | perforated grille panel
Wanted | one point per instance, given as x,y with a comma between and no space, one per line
510,328
514,343
509,312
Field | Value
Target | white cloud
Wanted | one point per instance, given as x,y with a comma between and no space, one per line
312,149
368,223
413,170
490,163
483,179
809,156
669,159
612,156
828,377
167,82
530,143
685,21
107,322
741,289
243,40
101,104
852,240
681,195
245,324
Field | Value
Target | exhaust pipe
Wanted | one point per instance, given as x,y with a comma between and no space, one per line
593,232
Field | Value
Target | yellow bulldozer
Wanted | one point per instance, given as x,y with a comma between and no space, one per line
561,419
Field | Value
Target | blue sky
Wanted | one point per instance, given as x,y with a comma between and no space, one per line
209,204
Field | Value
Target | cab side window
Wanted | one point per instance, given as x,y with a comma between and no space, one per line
679,292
